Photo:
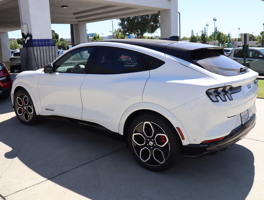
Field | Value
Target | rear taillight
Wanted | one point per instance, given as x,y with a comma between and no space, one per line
222,93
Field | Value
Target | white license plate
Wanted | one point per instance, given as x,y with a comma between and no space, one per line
244,116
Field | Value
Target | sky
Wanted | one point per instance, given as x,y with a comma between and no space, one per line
233,16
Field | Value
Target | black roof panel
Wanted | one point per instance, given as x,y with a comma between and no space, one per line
178,49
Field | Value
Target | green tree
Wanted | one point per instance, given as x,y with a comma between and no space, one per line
96,37
14,45
55,37
203,38
193,38
215,33
260,38
192,32
118,34
211,37
185,38
62,44
20,41
139,25
222,38
59,42
154,23
252,37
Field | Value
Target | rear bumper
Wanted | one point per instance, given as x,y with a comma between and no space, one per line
198,150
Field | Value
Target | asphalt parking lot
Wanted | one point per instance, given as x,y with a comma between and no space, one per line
52,160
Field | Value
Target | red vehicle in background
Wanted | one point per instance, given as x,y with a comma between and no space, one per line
5,81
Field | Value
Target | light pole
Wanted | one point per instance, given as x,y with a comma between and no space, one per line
112,30
207,29
238,33
214,26
179,25
263,36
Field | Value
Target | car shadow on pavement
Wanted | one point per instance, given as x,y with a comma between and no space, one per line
100,167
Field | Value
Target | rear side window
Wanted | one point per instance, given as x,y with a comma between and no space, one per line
111,60
253,54
238,53
215,62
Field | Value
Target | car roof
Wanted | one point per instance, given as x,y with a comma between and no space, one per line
161,44
179,49
175,48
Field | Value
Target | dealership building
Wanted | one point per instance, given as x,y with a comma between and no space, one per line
34,19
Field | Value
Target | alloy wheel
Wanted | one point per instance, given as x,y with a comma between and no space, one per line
150,143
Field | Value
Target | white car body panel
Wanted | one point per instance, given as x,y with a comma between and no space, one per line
59,96
155,108
172,87
30,84
106,97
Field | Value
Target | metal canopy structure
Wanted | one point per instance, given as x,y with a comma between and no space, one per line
35,16
81,11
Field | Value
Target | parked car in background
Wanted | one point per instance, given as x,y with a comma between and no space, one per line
227,51
167,98
12,52
15,67
5,81
15,62
255,57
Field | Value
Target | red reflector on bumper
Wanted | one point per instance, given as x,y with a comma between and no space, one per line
214,140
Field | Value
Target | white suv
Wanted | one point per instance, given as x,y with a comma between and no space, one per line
166,98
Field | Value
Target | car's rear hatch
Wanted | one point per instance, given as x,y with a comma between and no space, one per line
212,62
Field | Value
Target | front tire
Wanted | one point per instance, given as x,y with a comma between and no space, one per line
154,143
24,107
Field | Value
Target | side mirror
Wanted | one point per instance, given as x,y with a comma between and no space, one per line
48,69
261,56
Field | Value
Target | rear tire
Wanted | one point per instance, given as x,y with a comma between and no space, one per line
154,143
24,107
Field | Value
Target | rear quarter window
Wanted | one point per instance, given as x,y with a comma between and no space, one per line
151,62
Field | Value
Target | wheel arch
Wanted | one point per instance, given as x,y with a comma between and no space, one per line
21,87
161,112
